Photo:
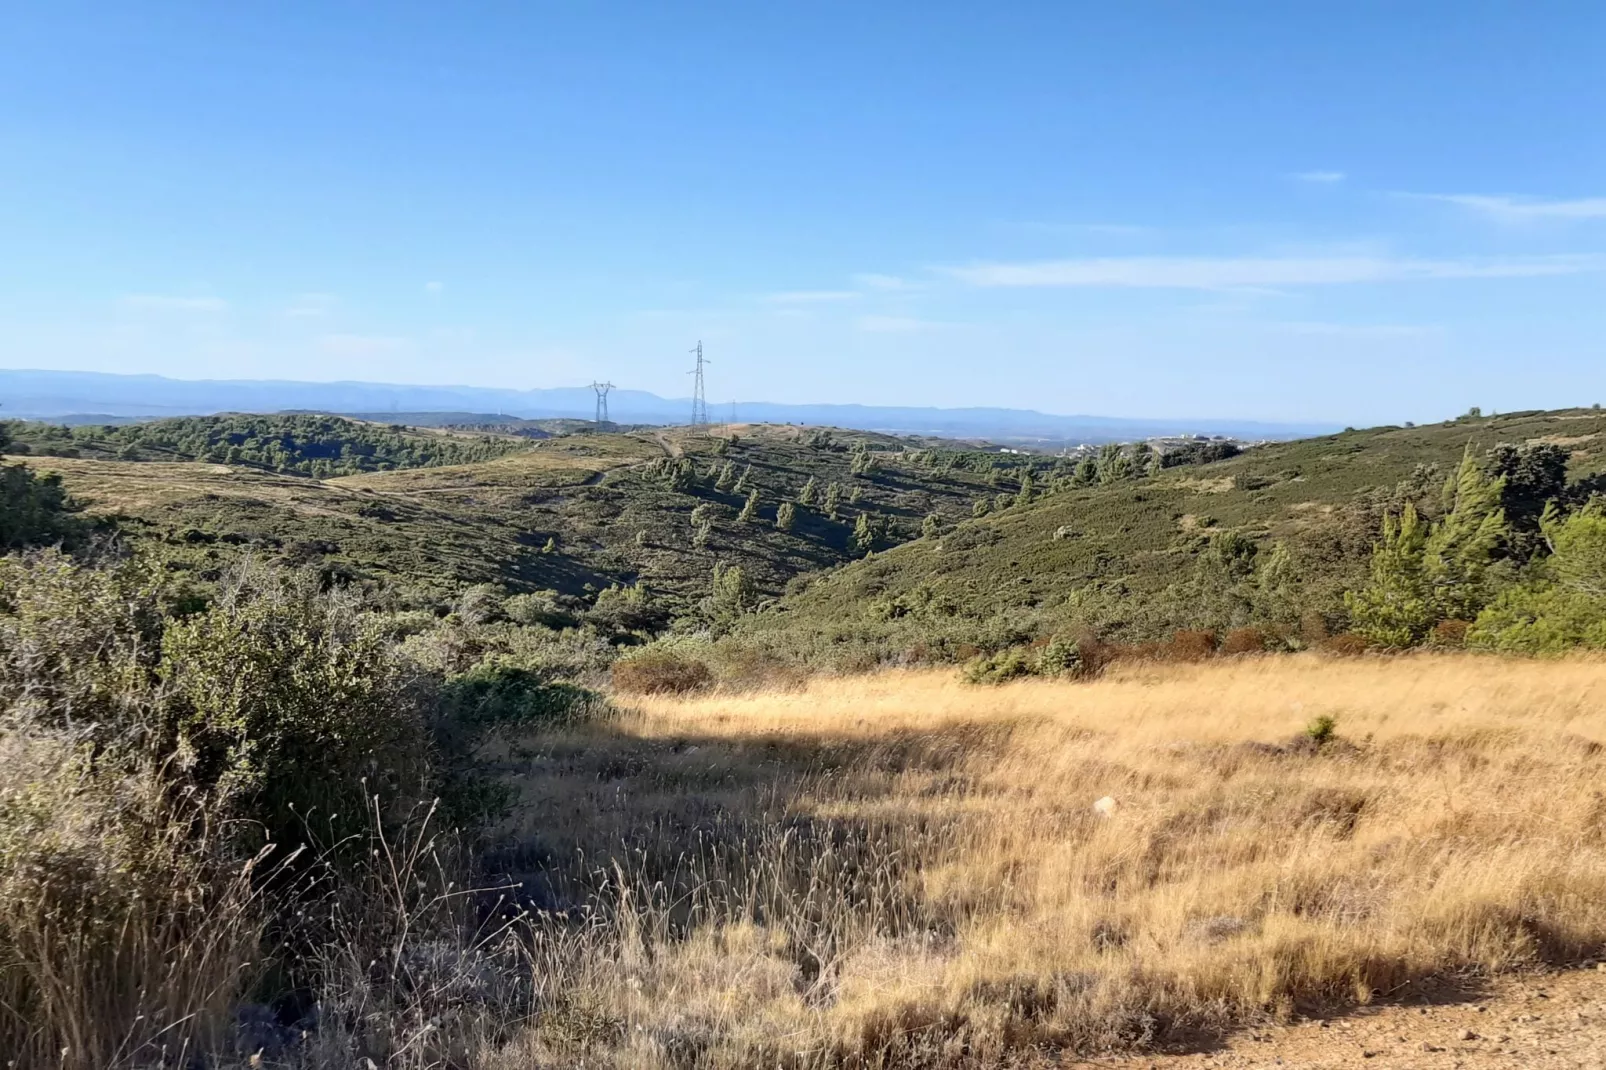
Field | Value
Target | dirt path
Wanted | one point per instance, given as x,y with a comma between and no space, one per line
670,449
1541,1021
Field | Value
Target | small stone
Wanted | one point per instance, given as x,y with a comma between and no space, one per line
1470,1035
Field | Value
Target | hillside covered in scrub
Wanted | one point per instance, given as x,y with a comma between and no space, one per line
420,515
1129,548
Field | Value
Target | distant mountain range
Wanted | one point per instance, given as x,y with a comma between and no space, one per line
82,396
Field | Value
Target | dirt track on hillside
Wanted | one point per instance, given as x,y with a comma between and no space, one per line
1544,1021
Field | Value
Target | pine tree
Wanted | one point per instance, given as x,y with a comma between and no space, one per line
1087,472
732,595
1457,553
980,507
1114,464
727,477
833,501
750,510
1395,608
810,491
863,534
854,494
931,527
744,483
785,516
551,546
700,534
1024,496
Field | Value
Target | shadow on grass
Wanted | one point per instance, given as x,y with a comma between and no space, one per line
823,838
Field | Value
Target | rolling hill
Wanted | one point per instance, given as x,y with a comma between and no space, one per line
572,514
1134,559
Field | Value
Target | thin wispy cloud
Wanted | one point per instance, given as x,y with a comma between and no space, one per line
1110,230
434,289
893,324
362,345
1225,273
873,281
170,303
1521,209
1325,178
311,306
810,297
1356,330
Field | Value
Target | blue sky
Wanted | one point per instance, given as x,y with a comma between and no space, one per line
1359,212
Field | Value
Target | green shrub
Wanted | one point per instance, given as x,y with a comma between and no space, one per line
498,694
1062,657
999,668
1563,606
34,509
660,671
288,699
1321,729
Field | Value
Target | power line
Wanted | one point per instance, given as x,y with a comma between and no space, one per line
699,397
602,401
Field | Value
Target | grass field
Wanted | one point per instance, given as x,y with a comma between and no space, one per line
902,870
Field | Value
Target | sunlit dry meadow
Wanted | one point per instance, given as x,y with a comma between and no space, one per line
903,869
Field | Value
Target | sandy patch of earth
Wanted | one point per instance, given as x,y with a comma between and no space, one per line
1543,1021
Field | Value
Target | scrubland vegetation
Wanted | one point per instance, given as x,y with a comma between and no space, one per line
531,762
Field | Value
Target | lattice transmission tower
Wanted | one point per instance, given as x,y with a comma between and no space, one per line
602,401
699,396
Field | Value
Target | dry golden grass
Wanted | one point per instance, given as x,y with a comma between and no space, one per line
904,870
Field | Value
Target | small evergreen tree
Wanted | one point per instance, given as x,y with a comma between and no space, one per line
1024,495
785,516
1114,464
931,527
809,493
750,510
727,478
743,484
863,537
1087,472
854,494
980,507
1395,608
732,595
833,501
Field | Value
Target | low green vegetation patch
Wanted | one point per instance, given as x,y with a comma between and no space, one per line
307,445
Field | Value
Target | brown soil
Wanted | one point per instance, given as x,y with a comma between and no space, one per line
1544,1021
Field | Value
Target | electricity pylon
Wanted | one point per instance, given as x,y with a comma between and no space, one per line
699,397
602,401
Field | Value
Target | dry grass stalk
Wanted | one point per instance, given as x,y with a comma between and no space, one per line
903,870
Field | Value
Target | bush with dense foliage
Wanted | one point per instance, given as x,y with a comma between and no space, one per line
34,509
1562,607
